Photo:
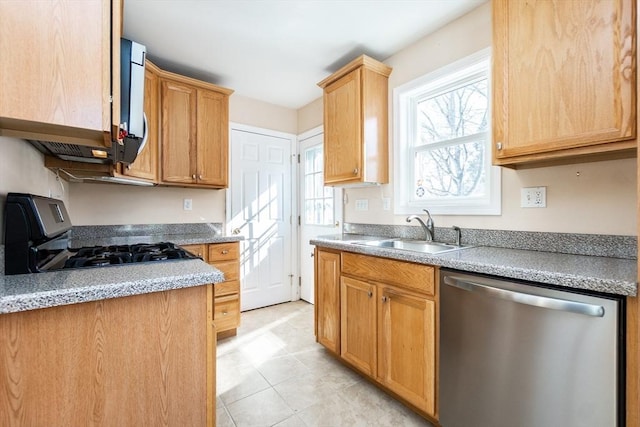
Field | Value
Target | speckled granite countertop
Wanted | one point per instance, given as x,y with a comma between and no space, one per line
42,290
594,273
23,292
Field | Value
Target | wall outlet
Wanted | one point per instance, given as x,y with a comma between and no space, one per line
187,204
533,197
386,203
362,204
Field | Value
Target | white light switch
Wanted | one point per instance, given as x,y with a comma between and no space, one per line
187,204
386,203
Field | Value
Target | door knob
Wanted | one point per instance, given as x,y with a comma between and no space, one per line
235,231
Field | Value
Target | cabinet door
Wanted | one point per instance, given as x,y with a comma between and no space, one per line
146,164
327,299
563,78
343,130
213,138
407,346
55,73
178,144
358,324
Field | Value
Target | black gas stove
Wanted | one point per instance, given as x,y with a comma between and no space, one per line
37,239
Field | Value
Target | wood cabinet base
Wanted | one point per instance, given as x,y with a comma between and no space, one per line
140,360
226,334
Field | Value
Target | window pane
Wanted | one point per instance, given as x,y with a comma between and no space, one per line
309,212
451,172
308,186
328,211
319,187
309,160
459,112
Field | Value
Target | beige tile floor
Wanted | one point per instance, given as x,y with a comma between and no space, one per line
273,373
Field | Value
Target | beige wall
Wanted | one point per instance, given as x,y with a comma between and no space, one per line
252,112
310,116
597,197
22,171
106,204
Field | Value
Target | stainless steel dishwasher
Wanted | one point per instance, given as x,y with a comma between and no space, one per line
514,354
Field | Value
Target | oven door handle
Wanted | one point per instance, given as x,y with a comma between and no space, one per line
528,299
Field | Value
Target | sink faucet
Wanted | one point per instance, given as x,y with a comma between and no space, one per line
428,227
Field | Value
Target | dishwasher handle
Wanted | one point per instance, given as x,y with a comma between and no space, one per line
529,299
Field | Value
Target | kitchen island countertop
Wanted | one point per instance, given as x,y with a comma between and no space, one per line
23,292
42,290
593,273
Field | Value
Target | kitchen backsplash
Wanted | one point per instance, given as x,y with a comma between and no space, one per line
100,231
578,244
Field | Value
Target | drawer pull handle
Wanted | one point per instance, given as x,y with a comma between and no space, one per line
225,251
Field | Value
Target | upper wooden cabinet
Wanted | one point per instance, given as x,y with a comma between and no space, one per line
146,164
195,132
564,80
356,123
56,81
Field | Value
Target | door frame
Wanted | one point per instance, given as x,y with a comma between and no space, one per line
318,130
295,229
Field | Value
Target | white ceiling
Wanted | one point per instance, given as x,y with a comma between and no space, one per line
277,50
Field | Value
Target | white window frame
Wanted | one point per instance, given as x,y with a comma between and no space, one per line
406,98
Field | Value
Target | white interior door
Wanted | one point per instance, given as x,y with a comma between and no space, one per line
320,206
259,208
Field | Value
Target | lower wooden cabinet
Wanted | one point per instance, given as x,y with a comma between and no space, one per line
407,346
142,360
358,337
327,299
226,300
388,329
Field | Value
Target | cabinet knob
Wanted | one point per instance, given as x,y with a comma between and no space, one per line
224,313
200,177
193,176
369,294
128,167
355,171
499,145
225,251
385,298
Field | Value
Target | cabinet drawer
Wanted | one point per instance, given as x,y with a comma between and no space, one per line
226,312
230,269
226,288
418,277
224,251
198,250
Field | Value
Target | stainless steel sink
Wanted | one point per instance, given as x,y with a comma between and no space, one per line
412,245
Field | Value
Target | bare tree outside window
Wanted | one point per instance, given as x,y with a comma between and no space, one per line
451,140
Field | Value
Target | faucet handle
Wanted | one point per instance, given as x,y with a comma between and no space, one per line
427,212
458,234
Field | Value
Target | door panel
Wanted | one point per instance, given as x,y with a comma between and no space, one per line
260,210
